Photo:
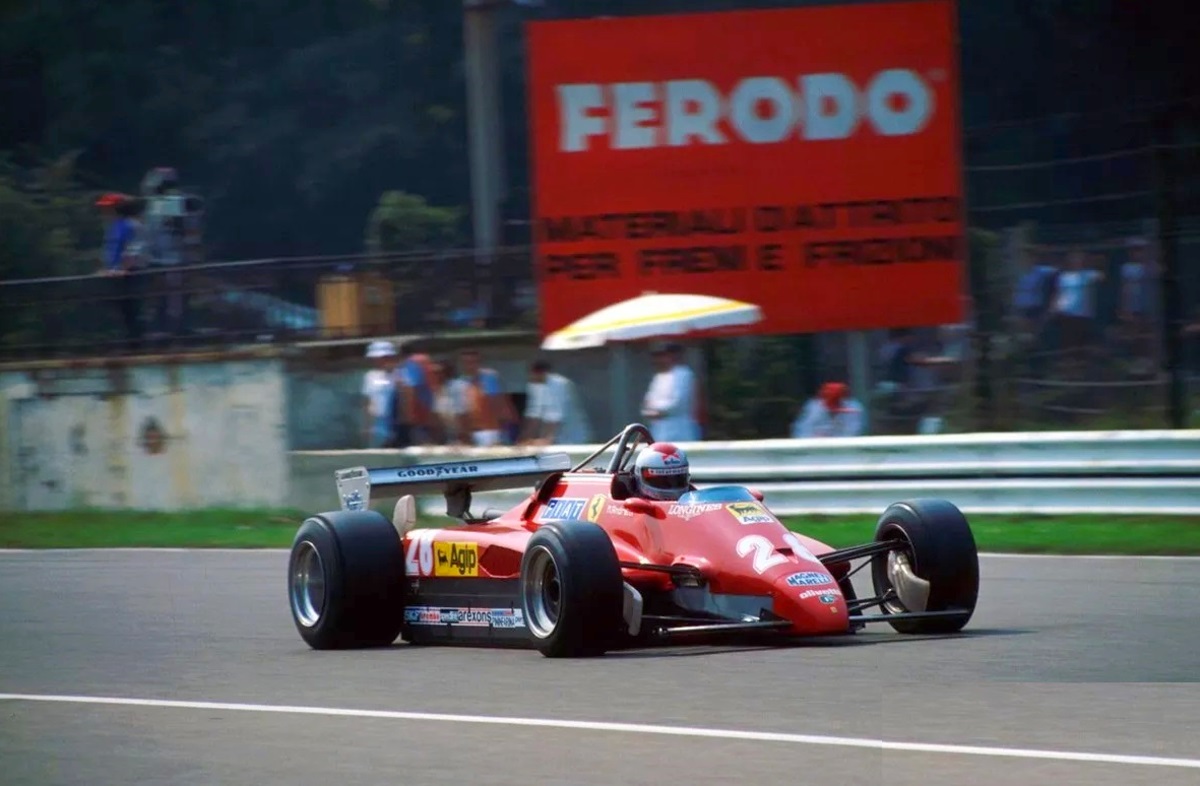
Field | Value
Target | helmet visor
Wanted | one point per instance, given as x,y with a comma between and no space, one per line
669,479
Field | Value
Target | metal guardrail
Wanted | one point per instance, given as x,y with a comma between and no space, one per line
1017,473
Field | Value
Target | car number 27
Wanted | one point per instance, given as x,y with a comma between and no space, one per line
765,557
418,560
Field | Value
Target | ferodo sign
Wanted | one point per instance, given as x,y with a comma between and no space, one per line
759,110
806,160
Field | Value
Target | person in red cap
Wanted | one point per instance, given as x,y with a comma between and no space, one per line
831,413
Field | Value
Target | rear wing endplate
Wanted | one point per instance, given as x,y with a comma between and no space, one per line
455,481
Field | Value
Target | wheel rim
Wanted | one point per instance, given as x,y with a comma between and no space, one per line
904,554
308,585
542,593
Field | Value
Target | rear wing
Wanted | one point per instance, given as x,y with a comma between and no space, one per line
455,481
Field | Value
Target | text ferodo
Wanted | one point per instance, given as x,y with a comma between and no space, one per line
759,110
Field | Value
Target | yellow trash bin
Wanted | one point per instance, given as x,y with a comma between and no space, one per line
355,305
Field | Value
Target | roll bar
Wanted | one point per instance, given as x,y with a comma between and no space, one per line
623,451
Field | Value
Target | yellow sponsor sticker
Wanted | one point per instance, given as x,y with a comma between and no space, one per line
749,513
455,559
595,507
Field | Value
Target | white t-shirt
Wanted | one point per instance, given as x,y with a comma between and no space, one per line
555,401
1075,292
673,393
817,421
450,401
379,387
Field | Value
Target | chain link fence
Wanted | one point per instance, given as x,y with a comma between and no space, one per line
1082,304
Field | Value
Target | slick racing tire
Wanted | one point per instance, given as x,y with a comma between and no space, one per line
346,580
938,548
571,590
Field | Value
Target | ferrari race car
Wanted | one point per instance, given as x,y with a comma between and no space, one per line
583,566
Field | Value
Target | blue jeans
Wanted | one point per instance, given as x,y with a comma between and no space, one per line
381,433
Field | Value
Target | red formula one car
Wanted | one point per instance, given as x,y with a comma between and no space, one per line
583,566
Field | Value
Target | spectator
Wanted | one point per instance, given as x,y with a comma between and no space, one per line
553,414
122,256
670,401
1075,306
165,230
466,310
414,410
487,412
379,394
1034,294
1138,283
448,403
831,413
909,374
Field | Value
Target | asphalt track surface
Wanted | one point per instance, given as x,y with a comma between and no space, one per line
1066,662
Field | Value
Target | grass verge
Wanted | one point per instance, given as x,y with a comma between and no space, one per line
1144,535
214,528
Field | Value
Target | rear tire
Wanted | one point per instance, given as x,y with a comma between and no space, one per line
571,590
346,581
940,549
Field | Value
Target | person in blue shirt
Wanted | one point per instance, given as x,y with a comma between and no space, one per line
121,259
414,393
488,415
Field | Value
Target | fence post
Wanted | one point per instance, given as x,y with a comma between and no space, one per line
1166,195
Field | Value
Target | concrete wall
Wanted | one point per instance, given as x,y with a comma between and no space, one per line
217,430
158,436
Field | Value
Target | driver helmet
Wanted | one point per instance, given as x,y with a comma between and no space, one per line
661,472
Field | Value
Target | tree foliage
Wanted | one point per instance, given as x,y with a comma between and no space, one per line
293,117
404,222
46,221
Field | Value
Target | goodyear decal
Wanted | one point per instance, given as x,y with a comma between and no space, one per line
595,507
749,513
455,559
562,508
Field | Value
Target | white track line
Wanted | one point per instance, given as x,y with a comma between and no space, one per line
1158,557
635,728
145,550
175,550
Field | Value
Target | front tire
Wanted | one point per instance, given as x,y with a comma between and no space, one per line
346,581
939,548
571,590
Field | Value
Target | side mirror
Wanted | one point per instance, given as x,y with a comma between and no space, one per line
639,505
758,495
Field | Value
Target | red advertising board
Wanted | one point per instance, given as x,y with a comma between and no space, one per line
806,160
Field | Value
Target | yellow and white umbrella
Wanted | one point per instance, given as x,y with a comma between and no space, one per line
653,315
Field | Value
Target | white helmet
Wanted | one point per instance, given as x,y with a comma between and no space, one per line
661,472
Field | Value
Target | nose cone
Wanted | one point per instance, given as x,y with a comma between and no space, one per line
811,599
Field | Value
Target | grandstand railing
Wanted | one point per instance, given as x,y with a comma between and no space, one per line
266,301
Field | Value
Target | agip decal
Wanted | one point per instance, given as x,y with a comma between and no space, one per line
456,559
749,513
